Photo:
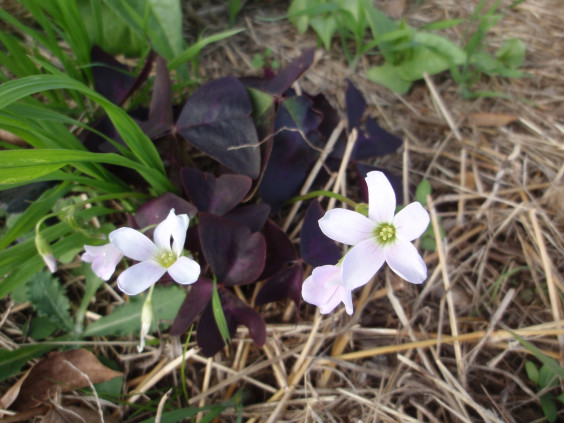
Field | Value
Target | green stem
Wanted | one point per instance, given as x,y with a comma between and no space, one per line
323,193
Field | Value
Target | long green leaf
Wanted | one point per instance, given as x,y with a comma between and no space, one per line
18,166
11,362
133,136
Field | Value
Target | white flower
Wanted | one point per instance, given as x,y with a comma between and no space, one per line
325,289
379,237
155,258
104,259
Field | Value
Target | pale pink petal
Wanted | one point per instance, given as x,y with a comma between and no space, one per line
346,226
179,234
184,271
104,259
318,288
333,301
165,230
133,244
139,277
346,297
404,259
361,263
381,197
411,221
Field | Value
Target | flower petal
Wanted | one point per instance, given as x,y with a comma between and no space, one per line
346,297
139,277
361,264
318,288
104,259
346,226
164,231
133,244
411,221
184,271
333,301
381,197
179,234
404,259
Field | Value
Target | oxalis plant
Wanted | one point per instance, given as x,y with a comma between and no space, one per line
201,207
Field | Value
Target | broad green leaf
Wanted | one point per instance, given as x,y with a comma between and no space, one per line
42,327
126,319
388,76
422,191
532,372
325,27
300,21
549,408
511,53
47,296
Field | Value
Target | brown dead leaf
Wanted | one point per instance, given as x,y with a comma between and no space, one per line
393,8
491,119
68,369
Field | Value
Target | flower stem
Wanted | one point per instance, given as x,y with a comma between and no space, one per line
323,193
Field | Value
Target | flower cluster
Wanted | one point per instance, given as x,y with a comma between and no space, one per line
377,238
155,258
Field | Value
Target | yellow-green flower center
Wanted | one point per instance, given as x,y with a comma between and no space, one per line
166,258
385,233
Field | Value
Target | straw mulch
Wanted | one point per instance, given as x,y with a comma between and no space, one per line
444,351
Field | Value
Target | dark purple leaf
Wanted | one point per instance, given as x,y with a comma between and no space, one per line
215,195
156,210
316,248
113,79
279,249
193,305
253,216
235,255
236,312
356,105
217,120
378,142
291,157
287,76
330,116
160,110
285,283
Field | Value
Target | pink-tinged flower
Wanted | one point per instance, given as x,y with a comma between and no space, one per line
325,289
379,237
104,259
156,258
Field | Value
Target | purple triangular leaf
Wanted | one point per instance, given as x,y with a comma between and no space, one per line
160,110
279,249
356,105
316,248
193,305
378,142
287,76
208,336
215,195
217,120
235,255
156,210
113,79
253,216
285,283
239,312
291,157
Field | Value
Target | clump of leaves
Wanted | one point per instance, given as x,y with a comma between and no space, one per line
545,381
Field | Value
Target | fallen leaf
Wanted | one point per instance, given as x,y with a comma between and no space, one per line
492,119
70,370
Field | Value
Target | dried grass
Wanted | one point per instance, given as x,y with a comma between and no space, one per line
440,352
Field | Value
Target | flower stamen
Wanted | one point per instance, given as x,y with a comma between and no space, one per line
166,258
385,233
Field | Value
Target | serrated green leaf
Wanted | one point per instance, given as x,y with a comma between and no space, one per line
126,319
47,296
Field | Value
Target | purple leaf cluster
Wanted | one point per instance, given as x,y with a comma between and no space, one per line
236,150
